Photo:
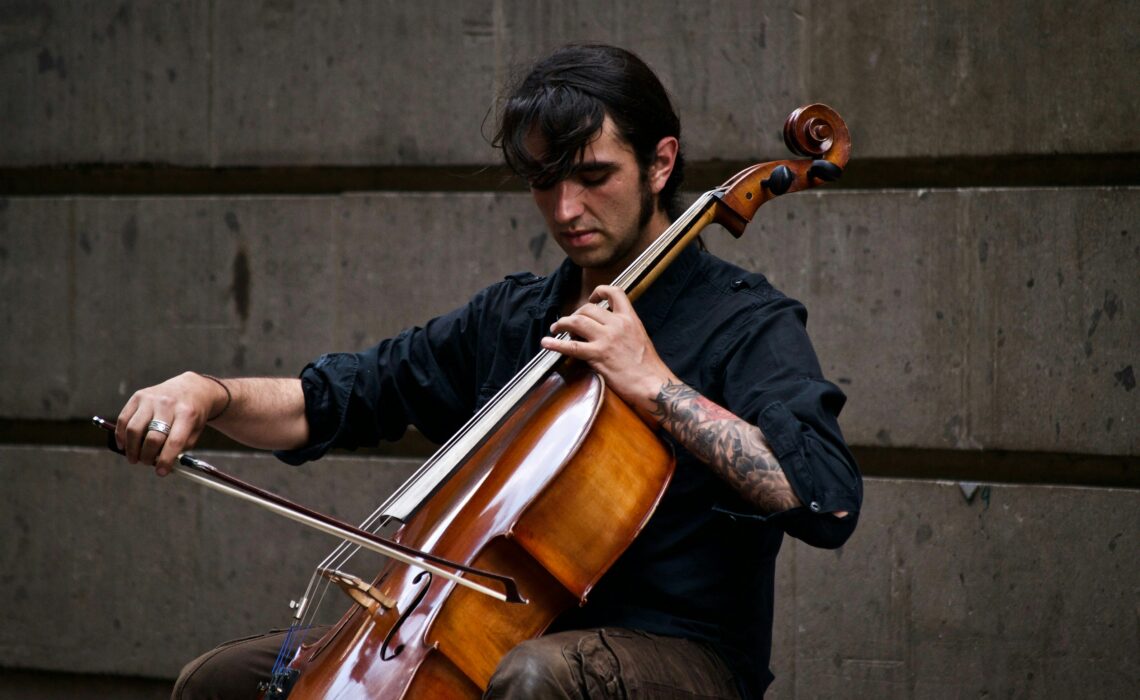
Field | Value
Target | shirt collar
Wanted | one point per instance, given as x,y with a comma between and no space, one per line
558,286
653,306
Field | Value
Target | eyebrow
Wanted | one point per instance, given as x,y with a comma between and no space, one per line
592,167
596,166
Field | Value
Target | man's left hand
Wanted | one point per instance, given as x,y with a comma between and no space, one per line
614,343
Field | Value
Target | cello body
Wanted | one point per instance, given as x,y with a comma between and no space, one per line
552,500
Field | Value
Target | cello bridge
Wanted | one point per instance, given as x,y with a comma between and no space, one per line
362,593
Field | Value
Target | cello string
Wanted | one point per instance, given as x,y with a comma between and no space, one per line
286,651
345,551
625,281
337,559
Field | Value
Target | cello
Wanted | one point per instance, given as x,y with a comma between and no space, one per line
545,487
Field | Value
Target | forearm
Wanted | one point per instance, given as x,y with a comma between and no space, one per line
615,345
733,448
160,422
262,412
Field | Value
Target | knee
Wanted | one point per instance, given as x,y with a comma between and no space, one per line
197,680
528,671
187,686
215,676
235,669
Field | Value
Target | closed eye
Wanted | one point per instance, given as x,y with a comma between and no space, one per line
593,179
587,174
594,174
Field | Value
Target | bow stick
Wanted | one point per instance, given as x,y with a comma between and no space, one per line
204,473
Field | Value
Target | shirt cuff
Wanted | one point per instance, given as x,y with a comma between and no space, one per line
327,385
813,522
782,431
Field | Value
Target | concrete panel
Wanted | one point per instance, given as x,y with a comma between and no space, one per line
358,83
1023,592
734,69
172,283
1000,319
363,83
143,573
977,78
403,260
37,305
120,293
967,319
408,84
95,81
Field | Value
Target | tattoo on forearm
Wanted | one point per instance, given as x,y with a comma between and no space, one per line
735,449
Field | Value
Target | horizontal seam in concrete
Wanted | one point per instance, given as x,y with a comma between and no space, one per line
988,466
1067,170
1000,466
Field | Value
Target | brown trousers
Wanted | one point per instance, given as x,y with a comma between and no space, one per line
596,663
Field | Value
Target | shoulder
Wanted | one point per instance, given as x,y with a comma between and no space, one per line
737,306
732,282
522,279
515,291
517,283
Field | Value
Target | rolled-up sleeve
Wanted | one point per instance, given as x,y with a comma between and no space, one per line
327,384
776,383
421,377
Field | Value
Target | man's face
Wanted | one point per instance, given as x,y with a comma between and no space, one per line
603,215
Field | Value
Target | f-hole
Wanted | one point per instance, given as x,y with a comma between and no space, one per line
384,655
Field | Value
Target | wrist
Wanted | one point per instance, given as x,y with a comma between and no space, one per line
655,389
222,397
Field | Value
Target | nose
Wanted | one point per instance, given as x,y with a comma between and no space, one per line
567,201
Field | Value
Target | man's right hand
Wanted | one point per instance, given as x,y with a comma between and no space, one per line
160,422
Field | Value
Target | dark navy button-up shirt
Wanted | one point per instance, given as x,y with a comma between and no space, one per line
704,565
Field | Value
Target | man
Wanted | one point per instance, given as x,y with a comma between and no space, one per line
714,357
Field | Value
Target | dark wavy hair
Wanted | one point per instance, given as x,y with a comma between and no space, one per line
567,96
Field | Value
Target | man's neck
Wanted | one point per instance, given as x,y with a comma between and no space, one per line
594,276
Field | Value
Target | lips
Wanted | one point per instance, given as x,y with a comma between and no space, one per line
577,239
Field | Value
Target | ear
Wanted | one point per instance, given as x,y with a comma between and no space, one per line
662,166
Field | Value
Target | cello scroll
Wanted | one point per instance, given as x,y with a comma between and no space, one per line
816,131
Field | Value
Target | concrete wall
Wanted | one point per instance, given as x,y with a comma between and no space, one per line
991,323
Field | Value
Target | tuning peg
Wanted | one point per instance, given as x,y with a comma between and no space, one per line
825,170
780,180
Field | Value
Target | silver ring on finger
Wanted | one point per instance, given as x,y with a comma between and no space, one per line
159,426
